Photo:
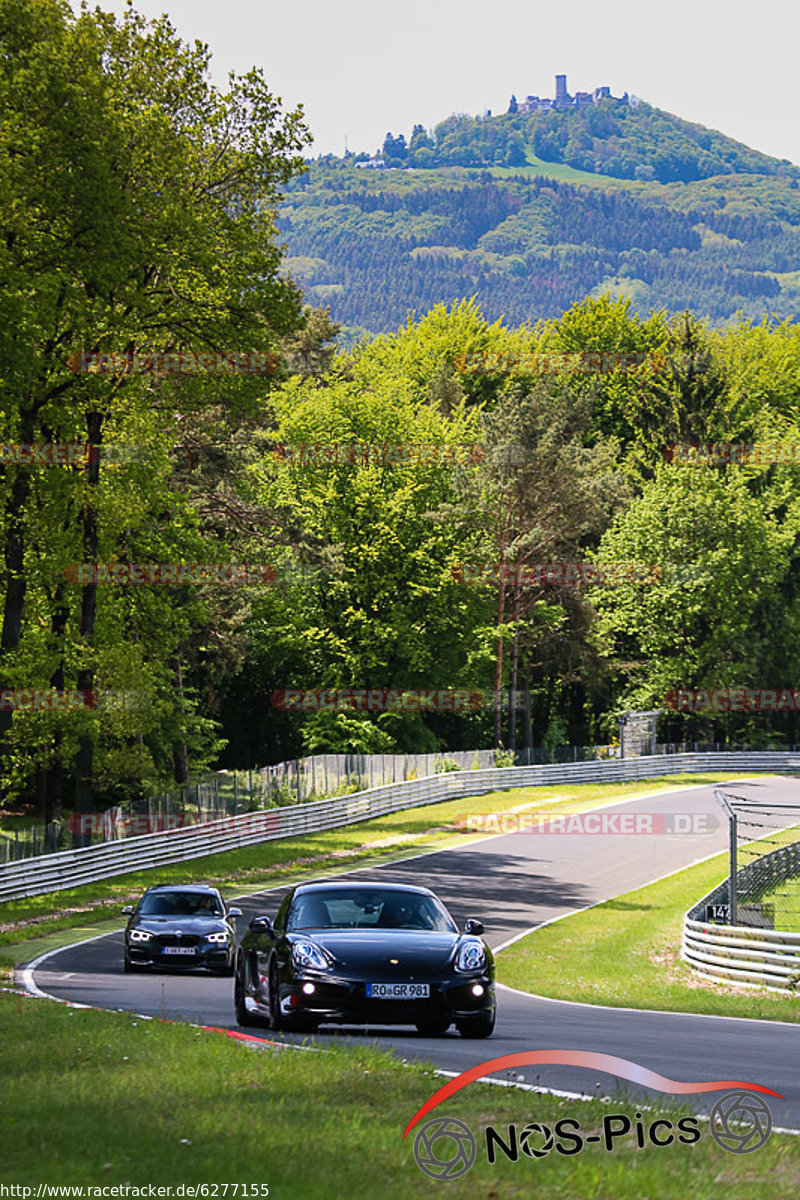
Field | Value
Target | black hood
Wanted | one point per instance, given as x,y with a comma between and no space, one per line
200,923
418,953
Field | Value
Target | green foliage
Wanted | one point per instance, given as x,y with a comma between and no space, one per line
443,765
526,244
609,138
137,212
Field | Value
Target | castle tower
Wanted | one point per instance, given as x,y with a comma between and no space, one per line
562,95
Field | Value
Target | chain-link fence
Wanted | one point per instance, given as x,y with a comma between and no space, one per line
764,870
298,781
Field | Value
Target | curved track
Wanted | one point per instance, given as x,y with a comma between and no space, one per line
513,882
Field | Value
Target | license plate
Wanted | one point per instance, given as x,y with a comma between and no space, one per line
398,991
178,950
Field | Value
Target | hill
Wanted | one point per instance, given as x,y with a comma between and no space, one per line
607,137
373,244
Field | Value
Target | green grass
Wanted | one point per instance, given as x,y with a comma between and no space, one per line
95,1098
626,952
269,864
553,170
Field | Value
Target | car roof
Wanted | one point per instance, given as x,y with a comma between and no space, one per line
335,886
182,887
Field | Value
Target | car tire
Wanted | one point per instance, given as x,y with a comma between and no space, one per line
301,1023
226,971
481,1026
243,1016
433,1028
275,1015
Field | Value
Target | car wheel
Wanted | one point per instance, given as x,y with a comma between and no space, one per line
300,1023
433,1028
276,1018
481,1026
243,1016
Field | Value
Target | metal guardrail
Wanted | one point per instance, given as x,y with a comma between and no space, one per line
742,953
70,868
739,953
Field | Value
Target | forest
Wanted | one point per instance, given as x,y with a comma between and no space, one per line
175,558
374,245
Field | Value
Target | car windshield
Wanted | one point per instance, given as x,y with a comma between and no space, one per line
180,904
368,908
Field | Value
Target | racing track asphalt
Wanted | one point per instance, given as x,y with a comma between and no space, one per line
512,882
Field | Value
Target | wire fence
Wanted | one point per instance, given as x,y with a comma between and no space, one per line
767,856
231,793
298,781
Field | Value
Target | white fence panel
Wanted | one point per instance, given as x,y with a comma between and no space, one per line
70,868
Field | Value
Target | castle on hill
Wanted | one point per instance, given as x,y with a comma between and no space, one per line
563,100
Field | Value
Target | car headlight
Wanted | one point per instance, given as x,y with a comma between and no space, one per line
218,939
309,954
471,957
139,935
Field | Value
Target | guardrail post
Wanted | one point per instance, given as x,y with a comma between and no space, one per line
733,827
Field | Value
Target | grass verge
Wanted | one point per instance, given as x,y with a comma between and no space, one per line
104,1099
626,952
270,864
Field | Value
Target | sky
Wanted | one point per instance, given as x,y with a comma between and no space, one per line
364,69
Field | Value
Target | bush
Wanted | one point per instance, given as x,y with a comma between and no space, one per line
445,764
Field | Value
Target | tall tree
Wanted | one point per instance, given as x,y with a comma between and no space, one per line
137,215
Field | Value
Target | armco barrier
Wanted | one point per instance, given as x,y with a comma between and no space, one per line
70,868
742,953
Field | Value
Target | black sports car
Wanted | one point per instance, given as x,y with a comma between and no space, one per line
365,954
187,926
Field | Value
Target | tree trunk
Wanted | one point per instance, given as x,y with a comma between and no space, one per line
527,730
498,670
84,762
14,558
51,795
180,752
512,698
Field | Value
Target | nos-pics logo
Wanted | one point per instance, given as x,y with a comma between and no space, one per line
445,1148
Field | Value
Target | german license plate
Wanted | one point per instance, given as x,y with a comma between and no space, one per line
178,950
398,991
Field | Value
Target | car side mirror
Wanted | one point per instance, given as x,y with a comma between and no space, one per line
127,910
261,925
473,926
234,912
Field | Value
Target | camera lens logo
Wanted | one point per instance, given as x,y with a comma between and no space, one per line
740,1122
532,1134
445,1148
